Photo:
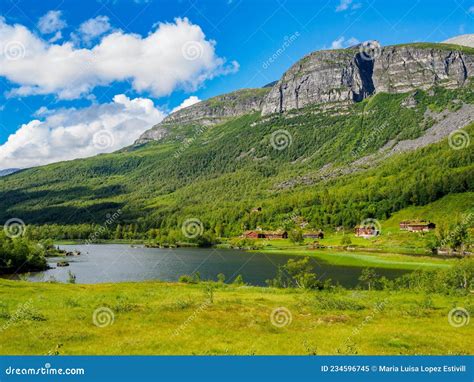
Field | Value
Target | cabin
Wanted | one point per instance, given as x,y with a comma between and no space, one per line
366,231
417,226
279,234
314,235
253,235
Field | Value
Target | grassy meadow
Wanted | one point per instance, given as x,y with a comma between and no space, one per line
164,318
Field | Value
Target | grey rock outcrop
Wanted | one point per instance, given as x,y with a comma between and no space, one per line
321,77
465,40
345,76
401,69
210,112
334,78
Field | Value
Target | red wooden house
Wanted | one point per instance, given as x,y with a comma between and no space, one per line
417,226
366,231
314,235
254,235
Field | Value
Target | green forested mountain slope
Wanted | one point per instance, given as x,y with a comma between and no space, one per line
218,174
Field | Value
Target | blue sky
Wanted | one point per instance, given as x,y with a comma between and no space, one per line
238,37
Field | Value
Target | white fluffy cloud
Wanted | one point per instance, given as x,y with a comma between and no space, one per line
342,43
51,22
77,133
93,28
175,55
187,102
344,5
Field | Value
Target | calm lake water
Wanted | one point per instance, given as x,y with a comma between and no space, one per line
118,262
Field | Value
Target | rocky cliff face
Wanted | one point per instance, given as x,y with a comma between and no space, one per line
321,77
352,75
334,77
210,112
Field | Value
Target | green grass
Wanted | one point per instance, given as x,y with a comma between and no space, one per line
442,46
163,318
366,259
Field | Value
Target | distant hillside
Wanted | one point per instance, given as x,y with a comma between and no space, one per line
8,171
465,40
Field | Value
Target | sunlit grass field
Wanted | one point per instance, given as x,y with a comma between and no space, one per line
367,259
166,318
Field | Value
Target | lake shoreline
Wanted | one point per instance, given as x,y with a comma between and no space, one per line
100,263
384,256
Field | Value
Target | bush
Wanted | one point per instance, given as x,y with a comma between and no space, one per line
297,274
346,240
332,302
296,236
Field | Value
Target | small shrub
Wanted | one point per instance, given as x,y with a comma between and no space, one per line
239,280
333,302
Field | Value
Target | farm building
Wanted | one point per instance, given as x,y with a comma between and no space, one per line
314,235
366,231
417,226
253,235
279,234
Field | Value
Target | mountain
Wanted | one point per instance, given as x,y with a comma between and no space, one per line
335,78
208,113
465,40
8,171
334,141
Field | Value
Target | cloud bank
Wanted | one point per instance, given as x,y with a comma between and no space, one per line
173,56
78,133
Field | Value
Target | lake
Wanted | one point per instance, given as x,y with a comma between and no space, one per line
119,262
